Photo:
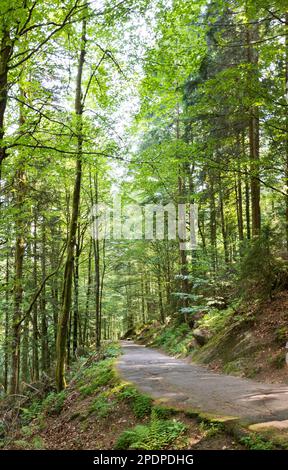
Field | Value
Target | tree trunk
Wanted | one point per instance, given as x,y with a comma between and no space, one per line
6,353
45,363
223,223
286,123
35,353
20,190
213,223
88,295
5,53
254,139
161,308
76,294
68,272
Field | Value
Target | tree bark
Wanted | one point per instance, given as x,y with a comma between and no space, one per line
68,272
5,53
254,138
35,353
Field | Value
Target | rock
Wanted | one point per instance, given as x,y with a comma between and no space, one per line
201,336
269,424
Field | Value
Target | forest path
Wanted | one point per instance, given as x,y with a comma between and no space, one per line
194,387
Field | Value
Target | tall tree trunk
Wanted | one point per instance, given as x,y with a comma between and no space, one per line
18,287
35,352
6,353
239,195
254,139
5,53
213,223
286,123
76,294
45,363
54,255
88,295
25,351
223,223
247,207
68,272
20,190
161,308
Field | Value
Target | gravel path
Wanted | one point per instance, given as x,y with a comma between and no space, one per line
194,387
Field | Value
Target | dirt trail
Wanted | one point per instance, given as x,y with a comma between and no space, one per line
195,387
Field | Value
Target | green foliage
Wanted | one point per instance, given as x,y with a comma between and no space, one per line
159,434
22,444
211,429
162,412
37,443
260,271
278,361
112,350
98,375
281,335
102,406
53,403
141,404
256,442
175,339
28,414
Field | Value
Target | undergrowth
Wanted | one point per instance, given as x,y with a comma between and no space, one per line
158,434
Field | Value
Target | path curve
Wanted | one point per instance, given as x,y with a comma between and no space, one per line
194,387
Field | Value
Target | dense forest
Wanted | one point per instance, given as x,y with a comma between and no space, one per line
154,103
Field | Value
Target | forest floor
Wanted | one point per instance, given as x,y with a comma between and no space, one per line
179,383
